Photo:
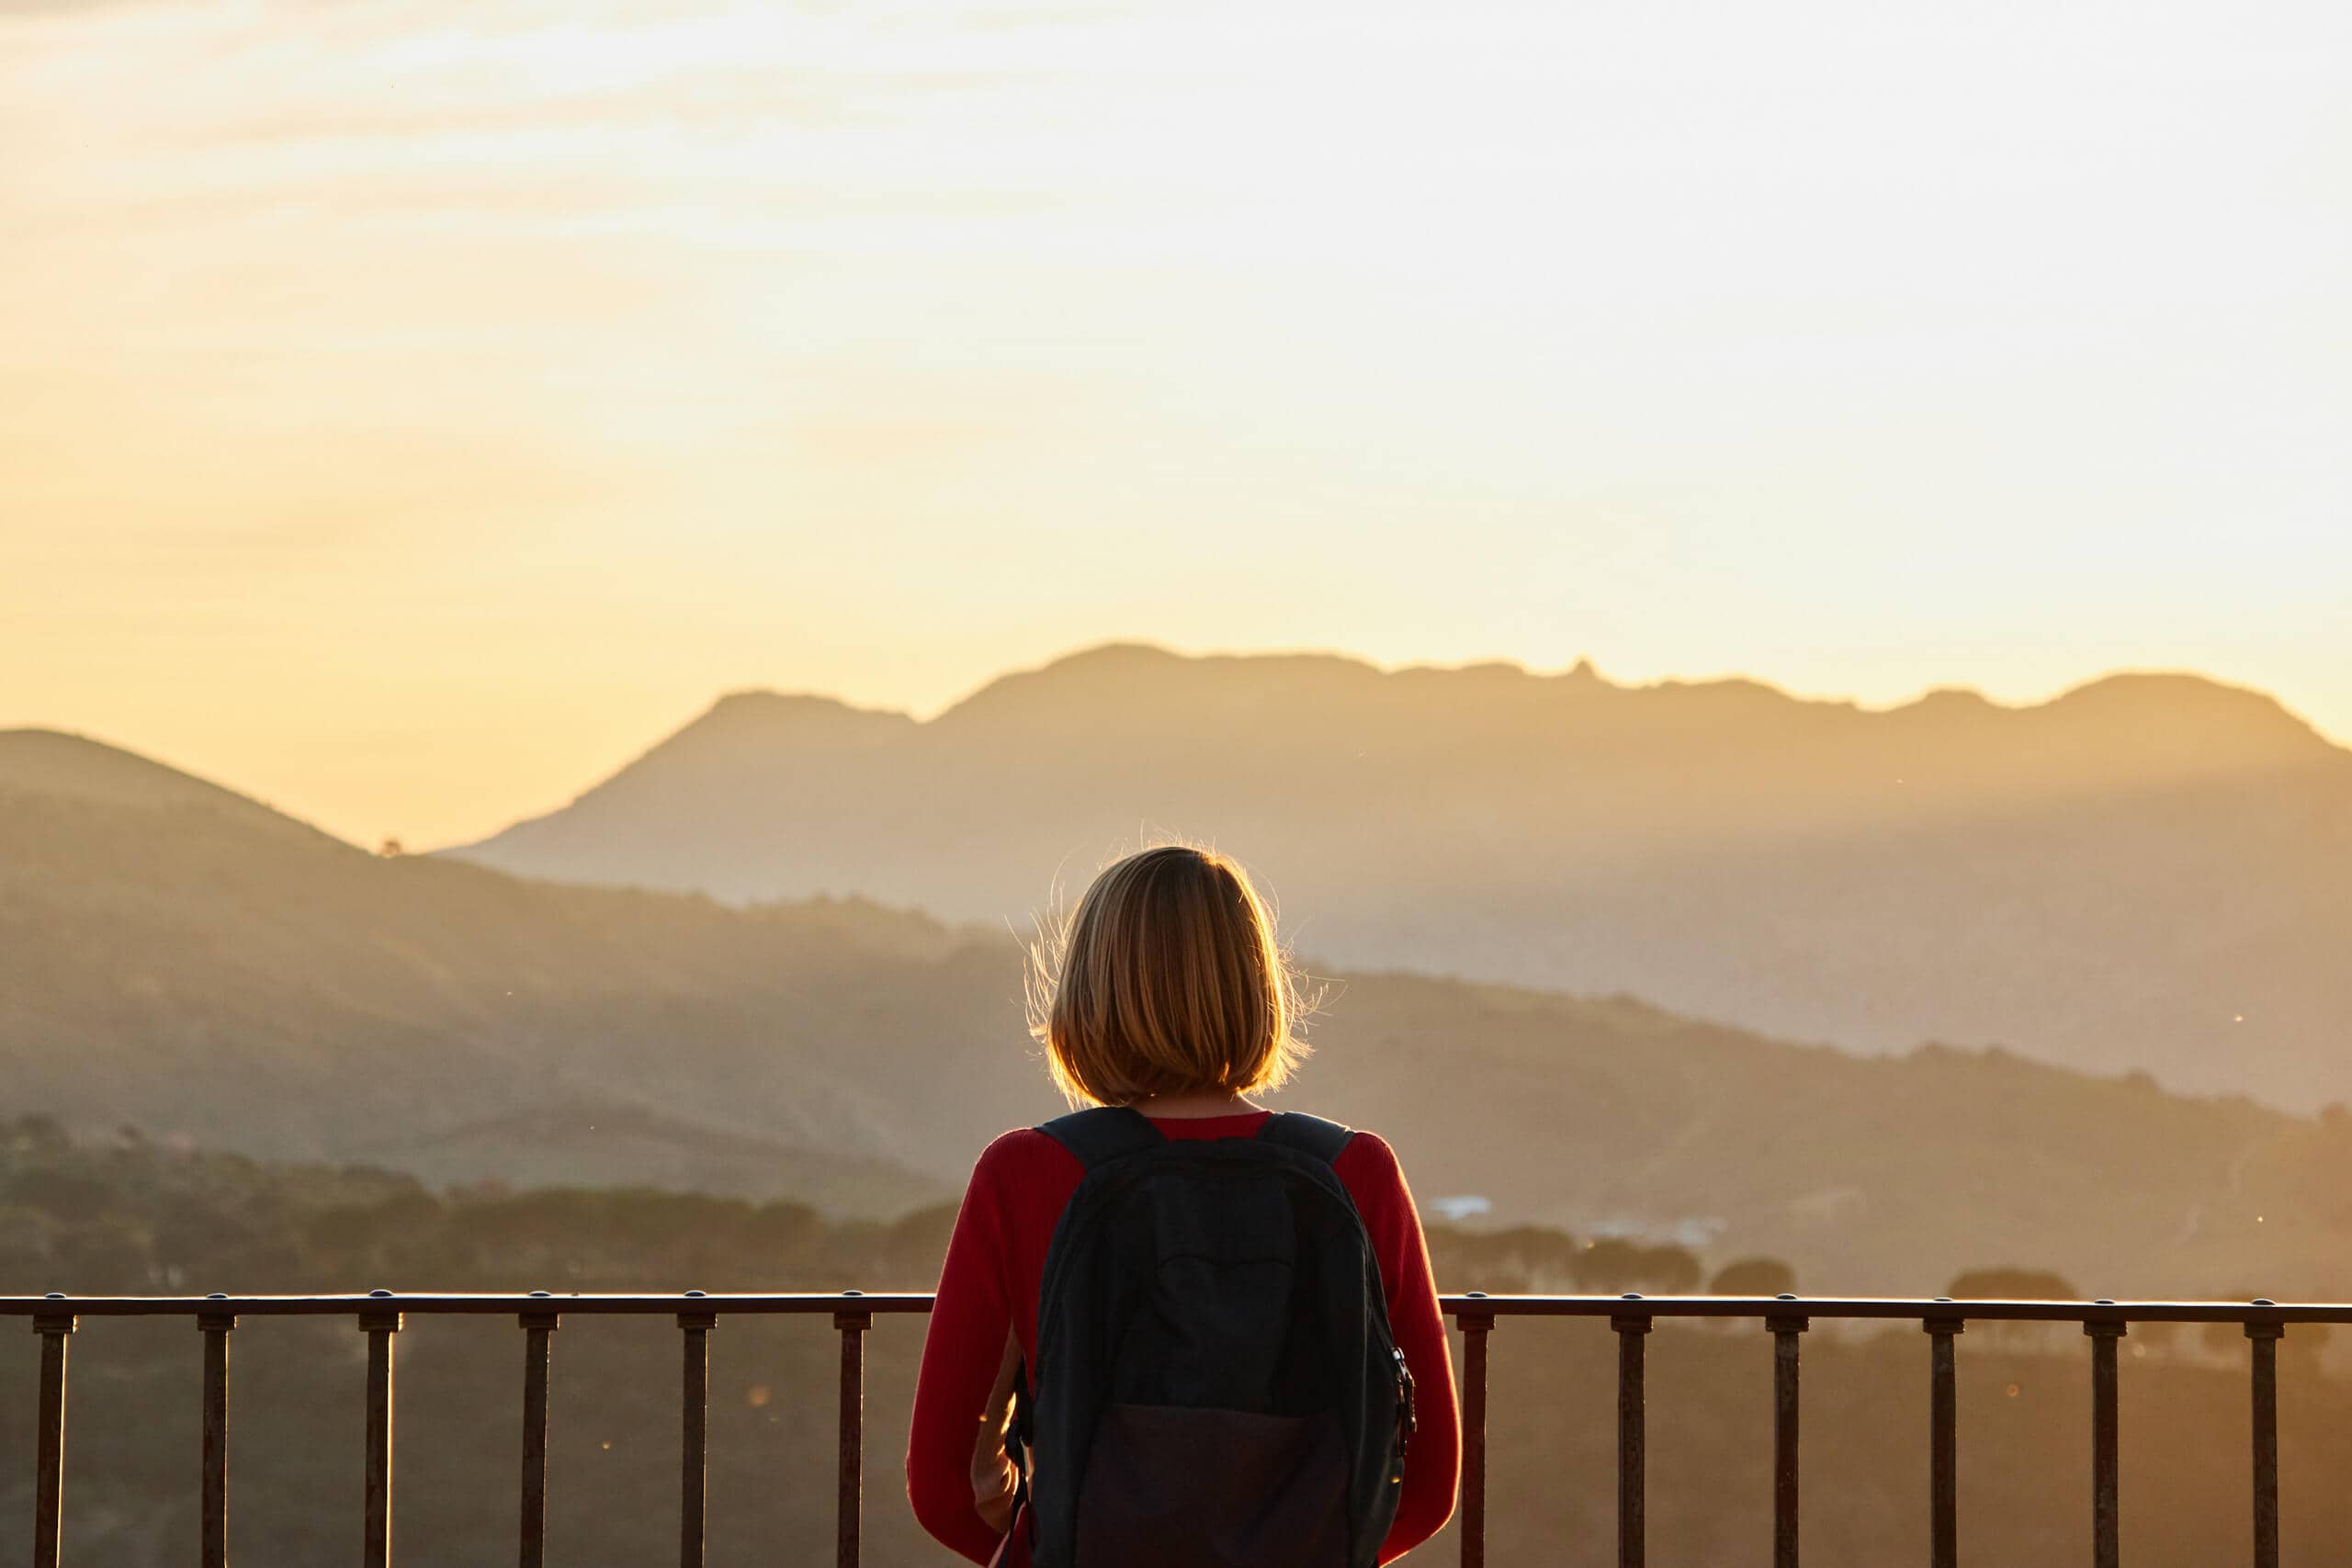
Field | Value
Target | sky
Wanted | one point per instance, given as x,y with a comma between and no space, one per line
412,409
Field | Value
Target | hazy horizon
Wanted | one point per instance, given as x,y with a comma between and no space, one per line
489,820
426,405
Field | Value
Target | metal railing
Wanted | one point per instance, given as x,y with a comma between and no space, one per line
381,1315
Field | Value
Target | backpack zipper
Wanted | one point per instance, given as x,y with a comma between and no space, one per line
1407,1422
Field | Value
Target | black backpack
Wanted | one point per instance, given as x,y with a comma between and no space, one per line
1216,1386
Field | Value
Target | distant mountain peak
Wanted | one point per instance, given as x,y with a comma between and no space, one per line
1115,656
1134,675
755,718
2155,687
1107,664
761,729
758,706
2177,709
1125,678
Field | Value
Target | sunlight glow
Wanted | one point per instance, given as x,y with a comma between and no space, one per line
409,372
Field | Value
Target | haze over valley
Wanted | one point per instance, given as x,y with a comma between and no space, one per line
175,956
2150,872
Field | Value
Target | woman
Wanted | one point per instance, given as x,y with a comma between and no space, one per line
1166,992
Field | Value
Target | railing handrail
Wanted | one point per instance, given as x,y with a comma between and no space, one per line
466,1302
1970,1309
381,1314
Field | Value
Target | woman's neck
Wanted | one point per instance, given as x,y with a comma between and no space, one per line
1195,1104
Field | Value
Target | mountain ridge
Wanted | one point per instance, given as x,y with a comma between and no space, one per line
2260,713
2113,877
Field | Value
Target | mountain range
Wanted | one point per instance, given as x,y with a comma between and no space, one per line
2149,871
176,957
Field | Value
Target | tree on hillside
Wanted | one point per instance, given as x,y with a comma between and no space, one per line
2011,1284
1613,1265
1513,1260
2301,1348
1754,1277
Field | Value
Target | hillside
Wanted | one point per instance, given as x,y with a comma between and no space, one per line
2149,871
176,957
117,1216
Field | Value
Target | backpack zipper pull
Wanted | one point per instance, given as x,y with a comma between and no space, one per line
1408,1421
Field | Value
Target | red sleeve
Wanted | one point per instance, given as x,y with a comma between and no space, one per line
1433,1461
961,1351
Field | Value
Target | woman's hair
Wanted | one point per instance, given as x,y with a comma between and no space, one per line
1167,978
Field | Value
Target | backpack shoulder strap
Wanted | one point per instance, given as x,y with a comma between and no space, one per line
1308,1135
1103,1132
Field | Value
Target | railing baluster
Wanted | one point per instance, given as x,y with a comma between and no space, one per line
538,1328
1943,1445
693,1480
1785,1327
2107,1530
213,1512
49,1476
1476,1325
376,1543
853,1325
1633,1318
2265,1339
1633,1493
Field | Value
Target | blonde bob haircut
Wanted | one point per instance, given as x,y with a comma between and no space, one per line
1166,979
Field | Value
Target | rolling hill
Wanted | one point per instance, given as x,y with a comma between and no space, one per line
174,957
2150,872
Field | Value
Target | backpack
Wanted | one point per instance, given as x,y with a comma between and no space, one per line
1216,1386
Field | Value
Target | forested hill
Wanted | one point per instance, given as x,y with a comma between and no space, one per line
179,958
116,1214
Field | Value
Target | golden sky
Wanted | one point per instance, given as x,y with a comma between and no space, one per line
409,409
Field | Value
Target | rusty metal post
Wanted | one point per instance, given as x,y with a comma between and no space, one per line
1943,1445
538,1327
2107,1525
1633,1495
693,1480
1785,1327
1476,1325
376,1540
853,1325
213,1511
48,1473
2265,1346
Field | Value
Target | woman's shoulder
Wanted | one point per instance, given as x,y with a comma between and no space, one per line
1368,1154
1367,1168
1021,1157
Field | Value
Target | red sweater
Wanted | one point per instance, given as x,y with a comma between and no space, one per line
989,1286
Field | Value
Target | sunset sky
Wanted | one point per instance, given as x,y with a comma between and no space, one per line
409,409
